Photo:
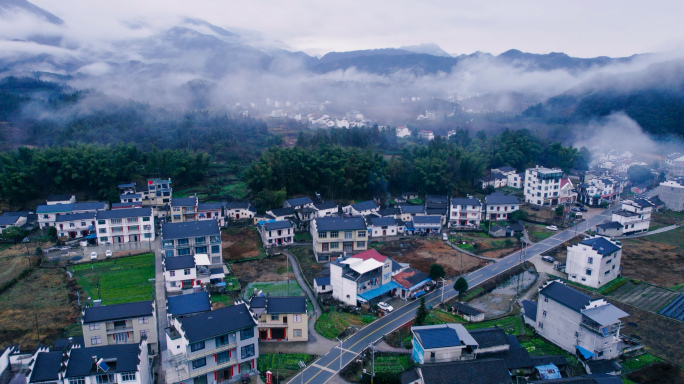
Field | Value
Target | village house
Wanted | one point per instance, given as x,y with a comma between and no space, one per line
567,192
299,203
131,198
513,179
126,205
111,364
412,282
75,225
442,343
276,233
188,304
408,211
190,273
325,208
542,185
47,214
361,209
671,192
190,238
322,285
214,346
383,226
183,209
125,226
212,211
334,236
120,324
7,221
427,224
403,131
594,261
362,277
499,206
465,212
426,135
611,229
598,190
437,205
281,318
577,323
159,192
467,312
282,214
634,215
675,164
237,210
60,199
494,180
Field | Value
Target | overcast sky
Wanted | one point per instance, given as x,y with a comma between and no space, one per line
577,27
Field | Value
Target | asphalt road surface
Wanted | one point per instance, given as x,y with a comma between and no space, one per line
330,364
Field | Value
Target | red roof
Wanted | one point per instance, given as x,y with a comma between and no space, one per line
563,182
370,254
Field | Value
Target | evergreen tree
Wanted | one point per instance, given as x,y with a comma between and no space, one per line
421,313
461,286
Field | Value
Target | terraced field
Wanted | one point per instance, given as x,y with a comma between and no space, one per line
644,296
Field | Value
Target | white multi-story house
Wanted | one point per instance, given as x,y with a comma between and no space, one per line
465,212
567,192
74,225
383,226
129,225
299,203
498,206
276,233
120,324
675,164
594,262
542,185
215,346
577,323
425,134
634,215
513,179
403,131
131,198
111,364
362,277
183,209
361,209
671,193
212,211
47,214
597,190
191,272
334,236
193,237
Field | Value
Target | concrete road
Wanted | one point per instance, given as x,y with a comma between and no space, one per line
331,363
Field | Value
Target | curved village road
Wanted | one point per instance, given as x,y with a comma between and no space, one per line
330,364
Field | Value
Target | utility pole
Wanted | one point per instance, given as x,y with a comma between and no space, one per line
443,283
372,348
37,329
287,271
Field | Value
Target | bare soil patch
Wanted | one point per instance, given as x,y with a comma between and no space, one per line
241,243
47,296
422,253
270,269
652,261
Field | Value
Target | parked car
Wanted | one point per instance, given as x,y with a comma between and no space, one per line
552,227
583,208
575,209
108,253
93,256
579,204
445,237
385,307
578,214
549,259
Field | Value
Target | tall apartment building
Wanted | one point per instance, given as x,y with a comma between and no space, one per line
542,185
193,237
127,225
594,261
120,324
334,236
159,192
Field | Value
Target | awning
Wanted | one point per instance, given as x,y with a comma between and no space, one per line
420,284
91,236
548,371
373,293
586,354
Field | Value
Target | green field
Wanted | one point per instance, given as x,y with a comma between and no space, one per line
635,363
285,365
511,324
121,280
330,325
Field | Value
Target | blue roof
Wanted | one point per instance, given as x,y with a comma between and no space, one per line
192,303
466,201
183,201
89,206
383,221
373,293
321,281
565,295
273,225
601,245
189,229
340,224
365,205
124,213
431,338
407,208
432,219
586,354
75,216
8,220
299,201
53,208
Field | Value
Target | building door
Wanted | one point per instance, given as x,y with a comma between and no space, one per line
384,232
348,246
263,334
237,216
200,380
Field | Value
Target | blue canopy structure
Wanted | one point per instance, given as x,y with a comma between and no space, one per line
373,293
586,354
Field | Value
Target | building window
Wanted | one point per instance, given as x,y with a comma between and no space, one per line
95,340
246,334
222,357
544,313
215,249
216,260
546,299
347,235
120,338
144,320
334,245
127,376
541,325
144,333
588,272
297,333
186,271
172,273
360,244
297,318
247,351
94,327
146,218
105,379
607,272
196,346
334,234
78,380
199,363
322,235
590,260
324,247
275,317
361,234
576,334
221,341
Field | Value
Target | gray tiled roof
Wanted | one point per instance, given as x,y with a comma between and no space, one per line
601,245
64,197
325,205
283,211
185,304
75,216
183,201
485,371
612,224
436,199
299,201
408,208
217,322
89,206
209,206
124,213
433,219
466,309
190,229
277,305
489,337
465,201
179,262
272,226
236,205
46,367
134,204
365,205
438,337
565,295
340,224
499,198
118,311
383,221
81,359
530,308
9,220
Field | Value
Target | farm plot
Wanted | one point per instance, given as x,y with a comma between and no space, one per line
483,244
387,368
333,324
121,280
656,259
270,269
285,364
241,243
645,296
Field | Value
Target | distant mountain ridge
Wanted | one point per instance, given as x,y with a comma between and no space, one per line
8,6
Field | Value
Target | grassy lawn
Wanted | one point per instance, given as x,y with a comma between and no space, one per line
304,237
634,363
467,246
330,325
222,298
538,232
121,280
539,347
674,238
236,189
438,316
511,324
285,364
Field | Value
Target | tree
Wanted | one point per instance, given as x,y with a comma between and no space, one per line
421,313
52,232
560,210
13,233
639,173
436,272
461,286
518,215
38,251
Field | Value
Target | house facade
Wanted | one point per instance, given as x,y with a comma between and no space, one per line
212,211
499,206
383,226
585,327
190,238
190,273
7,221
442,343
159,192
465,212
60,199
671,192
594,262
333,237
237,210
567,192
362,277
120,324
325,208
281,318
427,224
183,209
47,214
276,233
75,225
214,346
634,215
542,185
131,225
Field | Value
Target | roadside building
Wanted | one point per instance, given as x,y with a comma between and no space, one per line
187,305
130,225
442,343
465,212
281,318
362,277
191,273
499,206
276,233
542,185
335,236
634,215
120,324
193,237
594,262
